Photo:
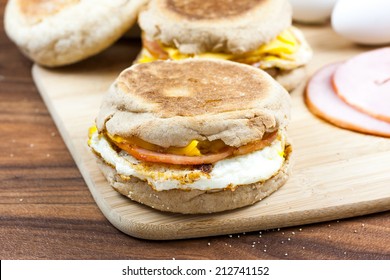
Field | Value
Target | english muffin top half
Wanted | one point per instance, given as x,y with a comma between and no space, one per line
170,103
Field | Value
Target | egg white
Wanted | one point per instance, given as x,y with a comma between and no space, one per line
228,173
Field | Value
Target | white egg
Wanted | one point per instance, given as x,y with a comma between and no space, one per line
362,21
312,11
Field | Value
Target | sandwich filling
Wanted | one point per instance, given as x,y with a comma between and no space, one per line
288,51
205,166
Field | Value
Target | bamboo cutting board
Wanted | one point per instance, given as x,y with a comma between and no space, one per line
337,173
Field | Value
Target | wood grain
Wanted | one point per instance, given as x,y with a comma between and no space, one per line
47,211
331,179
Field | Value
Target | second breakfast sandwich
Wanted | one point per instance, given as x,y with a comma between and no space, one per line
194,136
254,32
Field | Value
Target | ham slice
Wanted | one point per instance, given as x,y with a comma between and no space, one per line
322,100
151,156
155,49
364,82
161,157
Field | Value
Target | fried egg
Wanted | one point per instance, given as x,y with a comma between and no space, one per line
227,173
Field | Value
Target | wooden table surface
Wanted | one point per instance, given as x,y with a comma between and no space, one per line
47,211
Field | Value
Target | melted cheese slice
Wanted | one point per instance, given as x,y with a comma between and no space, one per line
190,150
287,51
228,173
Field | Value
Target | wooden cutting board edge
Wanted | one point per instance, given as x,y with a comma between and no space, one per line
233,226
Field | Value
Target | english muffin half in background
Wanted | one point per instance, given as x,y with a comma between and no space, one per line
254,32
61,32
194,136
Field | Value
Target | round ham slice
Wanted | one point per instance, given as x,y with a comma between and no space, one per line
159,157
151,156
364,82
322,100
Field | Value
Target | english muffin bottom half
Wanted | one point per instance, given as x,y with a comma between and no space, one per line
193,136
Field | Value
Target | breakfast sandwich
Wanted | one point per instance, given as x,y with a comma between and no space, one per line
254,32
193,136
61,32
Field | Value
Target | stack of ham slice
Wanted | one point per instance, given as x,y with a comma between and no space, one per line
355,94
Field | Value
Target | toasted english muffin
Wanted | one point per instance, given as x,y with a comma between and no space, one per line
253,32
61,32
194,136
229,26
290,79
170,103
